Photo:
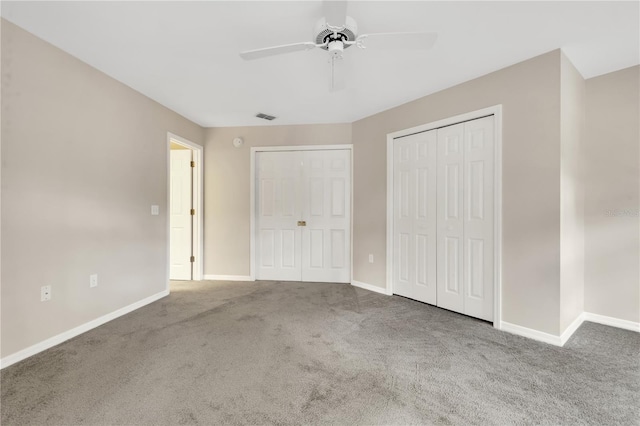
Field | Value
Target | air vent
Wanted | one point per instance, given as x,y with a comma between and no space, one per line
265,116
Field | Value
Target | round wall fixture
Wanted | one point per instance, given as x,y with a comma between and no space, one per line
237,142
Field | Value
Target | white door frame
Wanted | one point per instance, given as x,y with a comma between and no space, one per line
252,194
198,197
496,111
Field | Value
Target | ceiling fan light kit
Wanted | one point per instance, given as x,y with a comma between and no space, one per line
336,32
326,34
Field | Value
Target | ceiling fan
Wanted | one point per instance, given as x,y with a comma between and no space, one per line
336,32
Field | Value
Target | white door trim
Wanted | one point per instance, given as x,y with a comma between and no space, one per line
496,111
198,197
252,193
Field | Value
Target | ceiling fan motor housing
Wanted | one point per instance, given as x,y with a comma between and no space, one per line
325,35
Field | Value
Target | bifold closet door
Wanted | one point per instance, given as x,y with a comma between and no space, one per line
303,215
414,274
479,275
465,218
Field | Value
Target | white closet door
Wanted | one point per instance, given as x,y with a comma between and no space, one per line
478,218
326,241
312,187
414,275
278,251
180,215
450,242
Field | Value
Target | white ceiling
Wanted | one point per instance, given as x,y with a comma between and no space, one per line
185,54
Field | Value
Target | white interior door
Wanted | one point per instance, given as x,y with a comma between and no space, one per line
303,215
180,237
326,209
478,218
415,217
278,252
450,217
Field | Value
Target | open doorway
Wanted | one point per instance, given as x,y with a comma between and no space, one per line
185,209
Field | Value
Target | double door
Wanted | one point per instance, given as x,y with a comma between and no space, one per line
303,215
444,218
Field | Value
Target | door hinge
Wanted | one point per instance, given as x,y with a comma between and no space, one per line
193,259
193,164
193,212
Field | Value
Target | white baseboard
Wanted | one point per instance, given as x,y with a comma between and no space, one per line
571,329
56,340
531,333
370,287
561,340
227,277
613,322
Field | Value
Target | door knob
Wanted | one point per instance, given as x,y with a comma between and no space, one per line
302,223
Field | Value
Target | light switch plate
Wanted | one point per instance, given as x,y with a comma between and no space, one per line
155,210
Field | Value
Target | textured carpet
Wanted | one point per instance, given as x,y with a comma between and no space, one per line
292,353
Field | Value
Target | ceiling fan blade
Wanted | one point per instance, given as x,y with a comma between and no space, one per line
337,75
398,41
335,12
276,50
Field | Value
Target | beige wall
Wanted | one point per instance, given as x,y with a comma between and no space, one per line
571,194
612,228
530,95
226,186
83,159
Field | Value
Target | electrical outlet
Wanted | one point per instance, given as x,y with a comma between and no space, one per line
45,293
155,210
370,258
93,280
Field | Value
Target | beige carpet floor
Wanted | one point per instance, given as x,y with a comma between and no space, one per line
308,353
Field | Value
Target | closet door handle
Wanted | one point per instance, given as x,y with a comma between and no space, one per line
302,223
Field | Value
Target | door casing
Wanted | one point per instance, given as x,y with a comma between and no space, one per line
252,194
496,111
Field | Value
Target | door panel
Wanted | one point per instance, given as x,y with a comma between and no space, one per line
414,231
478,218
338,198
180,215
267,248
326,208
278,252
450,223
338,244
452,266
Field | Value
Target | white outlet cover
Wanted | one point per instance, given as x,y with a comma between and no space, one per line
370,258
45,293
155,210
93,280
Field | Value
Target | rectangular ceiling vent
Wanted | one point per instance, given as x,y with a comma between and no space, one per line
265,116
